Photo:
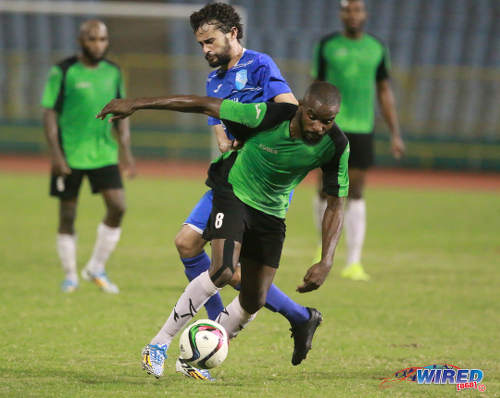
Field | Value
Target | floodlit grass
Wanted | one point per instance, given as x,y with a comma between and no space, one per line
433,298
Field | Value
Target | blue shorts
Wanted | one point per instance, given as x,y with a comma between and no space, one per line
198,218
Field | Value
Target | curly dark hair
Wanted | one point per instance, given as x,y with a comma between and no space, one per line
223,16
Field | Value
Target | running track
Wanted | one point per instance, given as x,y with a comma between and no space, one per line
426,179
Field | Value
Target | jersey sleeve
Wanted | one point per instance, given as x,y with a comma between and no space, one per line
384,66
211,121
244,120
335,172
120,89
248,115
271,80
52,88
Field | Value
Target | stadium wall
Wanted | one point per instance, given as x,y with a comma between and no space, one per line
446,73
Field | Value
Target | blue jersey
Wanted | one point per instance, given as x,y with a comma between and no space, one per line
255,78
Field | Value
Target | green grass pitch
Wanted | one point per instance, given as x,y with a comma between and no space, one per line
434,298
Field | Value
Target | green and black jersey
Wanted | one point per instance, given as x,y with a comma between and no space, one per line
77,93
353,66
271,163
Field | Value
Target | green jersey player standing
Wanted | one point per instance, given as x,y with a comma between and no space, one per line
358,64
77,88
282,143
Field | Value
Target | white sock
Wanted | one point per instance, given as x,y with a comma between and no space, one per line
319,207
234,318
107,238
66,248
197,292
355,227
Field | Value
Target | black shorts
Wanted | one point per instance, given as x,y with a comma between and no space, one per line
100,179
261,235
362,154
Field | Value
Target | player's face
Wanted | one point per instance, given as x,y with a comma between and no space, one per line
215,44
353,15
316,120
95,43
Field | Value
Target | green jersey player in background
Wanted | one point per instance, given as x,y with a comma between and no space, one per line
77,88
358,64
282,143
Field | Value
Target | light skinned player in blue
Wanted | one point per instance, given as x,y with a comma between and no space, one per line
243,76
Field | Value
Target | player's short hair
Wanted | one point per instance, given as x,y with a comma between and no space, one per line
323,92
223,16
345,3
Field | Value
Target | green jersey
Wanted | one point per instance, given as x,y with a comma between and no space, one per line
271,163
77,93
353,66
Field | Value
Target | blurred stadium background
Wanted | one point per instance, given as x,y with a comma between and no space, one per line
445,56
432,244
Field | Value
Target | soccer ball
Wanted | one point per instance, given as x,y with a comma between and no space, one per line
204,344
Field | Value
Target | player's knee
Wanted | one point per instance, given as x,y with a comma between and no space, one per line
252,303
120,209
321,194
356,190
355,193
356,183
186,246
117,210
67,219
222,277
236,278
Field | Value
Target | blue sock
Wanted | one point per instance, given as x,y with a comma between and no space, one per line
278,301
193,267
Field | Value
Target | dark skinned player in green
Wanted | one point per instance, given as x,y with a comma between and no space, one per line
358,64
80,146
282,143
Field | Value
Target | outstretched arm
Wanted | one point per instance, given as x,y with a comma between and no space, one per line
122,108
331,228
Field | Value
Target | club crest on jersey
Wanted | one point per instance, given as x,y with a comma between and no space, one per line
341,52
241,79
83,85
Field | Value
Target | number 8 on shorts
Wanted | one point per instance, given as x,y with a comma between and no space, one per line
218,220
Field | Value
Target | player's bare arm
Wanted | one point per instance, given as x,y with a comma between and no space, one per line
331,229
58,162
127,161
286,97
122,108
224,143
388,107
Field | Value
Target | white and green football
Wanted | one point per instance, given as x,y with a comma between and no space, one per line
204,344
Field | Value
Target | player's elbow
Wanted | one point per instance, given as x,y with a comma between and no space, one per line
49,114
286,97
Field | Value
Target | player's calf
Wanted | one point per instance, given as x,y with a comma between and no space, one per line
225,254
